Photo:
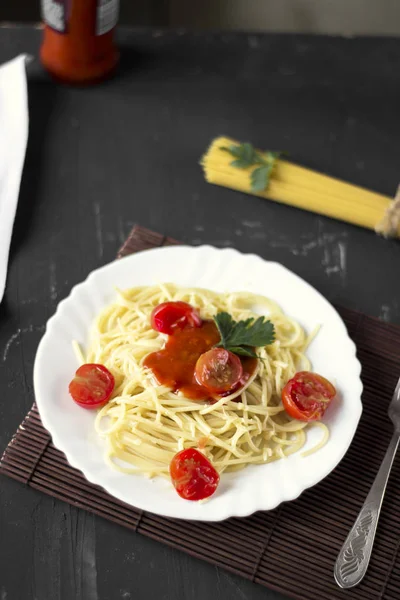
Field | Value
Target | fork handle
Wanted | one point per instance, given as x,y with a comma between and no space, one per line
353,559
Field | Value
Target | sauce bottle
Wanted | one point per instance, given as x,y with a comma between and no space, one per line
78,45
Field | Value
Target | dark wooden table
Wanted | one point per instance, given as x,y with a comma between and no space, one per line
100,159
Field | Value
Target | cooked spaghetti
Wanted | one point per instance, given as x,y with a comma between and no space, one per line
145,424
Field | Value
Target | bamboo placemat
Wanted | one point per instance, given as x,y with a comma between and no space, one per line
291,549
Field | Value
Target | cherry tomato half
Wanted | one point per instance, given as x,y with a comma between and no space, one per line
193,475
307,396
169,315
92,386
218,370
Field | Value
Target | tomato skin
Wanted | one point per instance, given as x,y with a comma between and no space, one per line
307,395
92,385
193,475
218,370
169,315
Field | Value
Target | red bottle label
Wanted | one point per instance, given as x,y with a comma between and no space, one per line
55,13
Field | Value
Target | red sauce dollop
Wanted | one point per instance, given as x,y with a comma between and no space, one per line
174,365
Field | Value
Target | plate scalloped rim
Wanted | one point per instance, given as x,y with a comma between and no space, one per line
240,494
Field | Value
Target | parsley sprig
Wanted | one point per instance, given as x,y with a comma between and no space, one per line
241,337
246,156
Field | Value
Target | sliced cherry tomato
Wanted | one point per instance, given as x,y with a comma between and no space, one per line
193,475
169,315
92,386
218,370
307,396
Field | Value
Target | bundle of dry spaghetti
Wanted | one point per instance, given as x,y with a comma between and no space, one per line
241,167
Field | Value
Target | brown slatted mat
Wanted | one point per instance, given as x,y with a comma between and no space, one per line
291,549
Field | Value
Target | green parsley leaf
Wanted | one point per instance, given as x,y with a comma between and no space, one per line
259,178
243,351
246,156
225,323
241,337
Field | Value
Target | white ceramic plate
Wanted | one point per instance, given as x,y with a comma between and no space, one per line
255,488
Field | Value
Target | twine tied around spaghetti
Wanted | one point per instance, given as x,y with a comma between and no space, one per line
389,225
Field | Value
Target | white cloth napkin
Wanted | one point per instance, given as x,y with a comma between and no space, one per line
13,140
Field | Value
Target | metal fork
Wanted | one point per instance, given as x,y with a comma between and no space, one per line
353,559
